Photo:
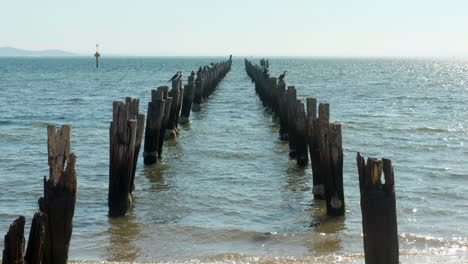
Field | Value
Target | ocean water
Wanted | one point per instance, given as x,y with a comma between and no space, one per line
225,190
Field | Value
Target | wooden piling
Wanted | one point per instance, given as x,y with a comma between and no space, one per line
292,109
179,107
283,110
378,207
138,139
123,135
153,127
312,132
197,96
189,92
13,250
334,193
36,239
59,195
301,135
172,120
165,120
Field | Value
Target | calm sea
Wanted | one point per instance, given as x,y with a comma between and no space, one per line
225,191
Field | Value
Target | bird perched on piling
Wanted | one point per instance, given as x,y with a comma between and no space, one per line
192,74
281,77
176,76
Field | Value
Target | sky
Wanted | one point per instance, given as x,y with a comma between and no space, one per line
240,27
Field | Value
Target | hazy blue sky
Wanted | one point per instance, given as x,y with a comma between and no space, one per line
240,27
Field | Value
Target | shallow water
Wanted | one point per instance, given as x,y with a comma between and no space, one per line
225,191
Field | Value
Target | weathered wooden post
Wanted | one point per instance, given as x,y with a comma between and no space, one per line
13,250
36,239
291,121
189,93
179,107
301,134
312,132
334,193
59,195
166,115
378,207
198,95
123,135
172,120
133,114
283,108
153,126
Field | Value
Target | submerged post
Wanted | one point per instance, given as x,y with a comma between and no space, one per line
59,195
378,206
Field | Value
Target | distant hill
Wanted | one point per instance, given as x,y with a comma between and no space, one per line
14,52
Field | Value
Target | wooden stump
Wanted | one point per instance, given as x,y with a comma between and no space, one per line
59,195
36,239
14,243
378,207
123,134
153,127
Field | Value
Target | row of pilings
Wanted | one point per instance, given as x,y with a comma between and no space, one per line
51,227
309,132
167,108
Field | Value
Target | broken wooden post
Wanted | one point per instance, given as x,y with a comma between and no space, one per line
123,134
301,134
36,239
378,207
189,93
59,195
13,250
153,126
312,133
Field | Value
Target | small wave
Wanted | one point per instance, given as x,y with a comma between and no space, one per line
432,129
75,99
6,122
38,124
420,240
